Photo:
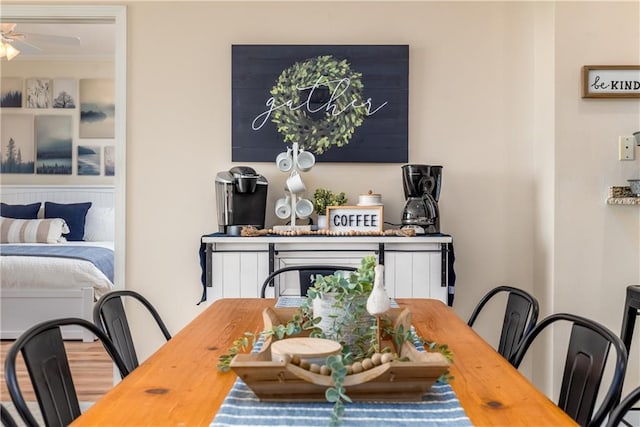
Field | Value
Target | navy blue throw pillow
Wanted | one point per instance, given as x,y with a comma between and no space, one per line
74,215
20,211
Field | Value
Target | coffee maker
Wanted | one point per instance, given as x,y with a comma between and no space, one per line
421,189
241,199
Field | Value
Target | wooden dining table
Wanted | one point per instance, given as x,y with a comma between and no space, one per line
179,385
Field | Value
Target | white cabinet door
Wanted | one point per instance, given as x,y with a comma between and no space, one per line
414,272
238,272
414,275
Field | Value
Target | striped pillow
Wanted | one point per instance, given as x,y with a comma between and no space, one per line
32,230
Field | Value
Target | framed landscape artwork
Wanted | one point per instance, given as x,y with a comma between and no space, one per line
344,103
97,108
88,160
11,92
54,142
18,147
65,93
38,93
110,160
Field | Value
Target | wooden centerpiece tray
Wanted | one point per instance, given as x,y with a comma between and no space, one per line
405,379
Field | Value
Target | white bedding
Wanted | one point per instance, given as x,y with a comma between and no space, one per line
26,272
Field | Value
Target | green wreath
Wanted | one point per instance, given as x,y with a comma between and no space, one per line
296,124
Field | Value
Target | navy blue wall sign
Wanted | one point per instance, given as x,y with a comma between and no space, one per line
345,103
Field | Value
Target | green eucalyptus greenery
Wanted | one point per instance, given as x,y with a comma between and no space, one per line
338,393
337,125
323,198
345,286
349,291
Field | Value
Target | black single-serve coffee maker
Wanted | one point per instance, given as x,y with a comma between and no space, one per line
421,189
241,199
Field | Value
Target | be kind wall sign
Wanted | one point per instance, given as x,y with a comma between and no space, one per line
611,81
344,103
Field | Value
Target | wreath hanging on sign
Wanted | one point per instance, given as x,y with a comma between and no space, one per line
341,114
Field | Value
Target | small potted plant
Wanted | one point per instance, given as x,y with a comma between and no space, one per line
340,300
323,198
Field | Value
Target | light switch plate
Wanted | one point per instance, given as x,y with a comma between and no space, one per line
626,148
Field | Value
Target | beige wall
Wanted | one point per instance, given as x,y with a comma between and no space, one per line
471,77
494,97
597,250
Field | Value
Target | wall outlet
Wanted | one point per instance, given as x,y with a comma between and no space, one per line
626,146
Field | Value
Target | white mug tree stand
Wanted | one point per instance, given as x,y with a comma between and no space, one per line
290,161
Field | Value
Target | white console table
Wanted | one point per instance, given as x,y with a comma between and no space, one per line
236,267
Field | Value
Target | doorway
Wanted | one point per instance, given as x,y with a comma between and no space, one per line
61,15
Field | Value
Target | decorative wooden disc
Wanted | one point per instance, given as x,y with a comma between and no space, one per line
304,347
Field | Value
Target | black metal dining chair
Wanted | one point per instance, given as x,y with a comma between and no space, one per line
585,362
617,416
6,418
110,316
631,312
45,357
629,316
305,275
520,316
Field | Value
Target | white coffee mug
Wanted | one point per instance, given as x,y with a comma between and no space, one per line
284,161
295,184
283,207
304,208
305,161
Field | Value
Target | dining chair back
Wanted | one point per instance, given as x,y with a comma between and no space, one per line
616,418
305,275
631,312
110,316
586,359
629,316
43,351
520,316
6,418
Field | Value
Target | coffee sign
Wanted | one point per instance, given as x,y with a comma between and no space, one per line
355,218
611,81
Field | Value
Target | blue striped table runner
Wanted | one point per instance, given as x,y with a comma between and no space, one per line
241,407
440,407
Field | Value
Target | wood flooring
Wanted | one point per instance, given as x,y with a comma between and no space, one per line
91,368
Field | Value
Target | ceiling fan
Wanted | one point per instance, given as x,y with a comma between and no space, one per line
12,42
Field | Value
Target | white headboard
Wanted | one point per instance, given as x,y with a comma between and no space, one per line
100,221
99,195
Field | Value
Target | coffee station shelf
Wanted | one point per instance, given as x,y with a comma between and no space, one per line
224,238
236,266
622,196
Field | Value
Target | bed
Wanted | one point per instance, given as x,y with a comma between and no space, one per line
64,278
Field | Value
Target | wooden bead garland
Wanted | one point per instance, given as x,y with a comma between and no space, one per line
249,231
355,368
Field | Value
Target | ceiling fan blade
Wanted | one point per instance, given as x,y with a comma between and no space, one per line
24,46
51,39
